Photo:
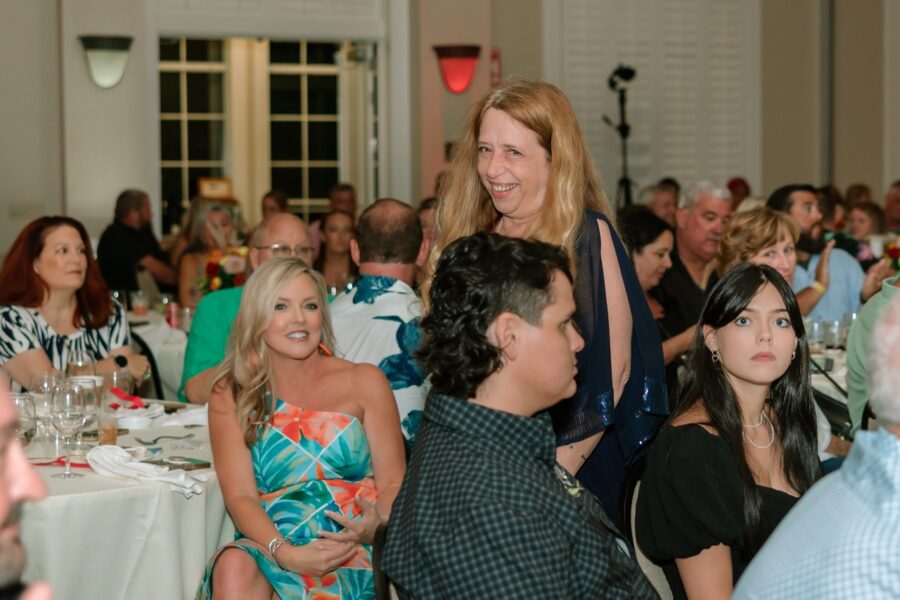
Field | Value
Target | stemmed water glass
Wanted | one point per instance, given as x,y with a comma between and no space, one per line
41,388
26,423
68,416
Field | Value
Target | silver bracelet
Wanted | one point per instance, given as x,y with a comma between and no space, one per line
275,544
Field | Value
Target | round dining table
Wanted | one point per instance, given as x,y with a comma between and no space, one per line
104,537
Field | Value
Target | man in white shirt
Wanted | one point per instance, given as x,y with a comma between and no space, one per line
378,322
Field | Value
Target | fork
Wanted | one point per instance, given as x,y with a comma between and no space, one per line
163,437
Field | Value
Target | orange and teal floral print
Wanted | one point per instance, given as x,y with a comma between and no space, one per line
307,462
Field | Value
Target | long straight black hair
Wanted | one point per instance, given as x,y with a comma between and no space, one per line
790,398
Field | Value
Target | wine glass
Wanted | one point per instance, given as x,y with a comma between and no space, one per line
80,364
68,416
41,388
26,423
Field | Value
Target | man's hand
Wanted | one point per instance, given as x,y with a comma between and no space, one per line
360,531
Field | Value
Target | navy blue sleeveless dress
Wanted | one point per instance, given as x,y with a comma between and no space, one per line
632,424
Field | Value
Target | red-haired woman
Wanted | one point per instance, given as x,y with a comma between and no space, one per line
54,305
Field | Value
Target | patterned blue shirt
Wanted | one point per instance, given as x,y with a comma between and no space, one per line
842,540
378,323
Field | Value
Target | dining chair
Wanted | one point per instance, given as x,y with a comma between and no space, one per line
144,349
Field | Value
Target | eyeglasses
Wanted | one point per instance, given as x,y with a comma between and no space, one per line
281,250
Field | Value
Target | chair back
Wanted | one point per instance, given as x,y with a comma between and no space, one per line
652,571
144,349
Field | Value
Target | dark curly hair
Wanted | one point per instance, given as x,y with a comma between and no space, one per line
477,278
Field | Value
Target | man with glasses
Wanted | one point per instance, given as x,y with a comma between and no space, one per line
282,234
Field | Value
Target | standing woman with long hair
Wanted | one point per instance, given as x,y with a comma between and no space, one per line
740,448
522,169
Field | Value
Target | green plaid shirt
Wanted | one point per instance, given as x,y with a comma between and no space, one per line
482,514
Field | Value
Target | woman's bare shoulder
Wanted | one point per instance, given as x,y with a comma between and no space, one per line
350,372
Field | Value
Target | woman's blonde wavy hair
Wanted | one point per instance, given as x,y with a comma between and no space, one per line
247,368
465,207
751,231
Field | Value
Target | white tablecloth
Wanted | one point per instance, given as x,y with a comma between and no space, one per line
168,346
108,538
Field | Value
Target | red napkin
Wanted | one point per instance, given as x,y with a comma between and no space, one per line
135,401
60,462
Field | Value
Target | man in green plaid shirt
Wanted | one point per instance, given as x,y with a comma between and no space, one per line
485,511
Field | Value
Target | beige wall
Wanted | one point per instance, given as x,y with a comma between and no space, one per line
111,136
859,93
441,113
790,74
516,29
30,173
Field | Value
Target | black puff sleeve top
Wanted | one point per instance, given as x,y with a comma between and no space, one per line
691,499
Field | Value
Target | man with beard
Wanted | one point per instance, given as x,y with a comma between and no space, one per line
18,483
701,217
845,295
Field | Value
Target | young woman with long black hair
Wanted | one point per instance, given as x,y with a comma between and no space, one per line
741,447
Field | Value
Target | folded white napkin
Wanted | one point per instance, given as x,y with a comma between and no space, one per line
190,415
114,461
139,418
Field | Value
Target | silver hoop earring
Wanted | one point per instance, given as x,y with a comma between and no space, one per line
793,355
715,356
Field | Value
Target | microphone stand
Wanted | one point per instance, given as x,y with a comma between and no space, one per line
623,192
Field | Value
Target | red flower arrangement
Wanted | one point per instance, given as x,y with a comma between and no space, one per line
892,251
225,269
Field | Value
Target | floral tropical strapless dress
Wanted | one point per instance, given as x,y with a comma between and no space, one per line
307,462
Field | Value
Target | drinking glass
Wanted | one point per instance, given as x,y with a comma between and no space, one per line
140,304
68,416
80,364
815,335
41,388
832,333
119,378
187,317
92,394
27,422
846,324
164,301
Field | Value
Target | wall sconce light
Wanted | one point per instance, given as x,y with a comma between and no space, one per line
107,57
457,65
